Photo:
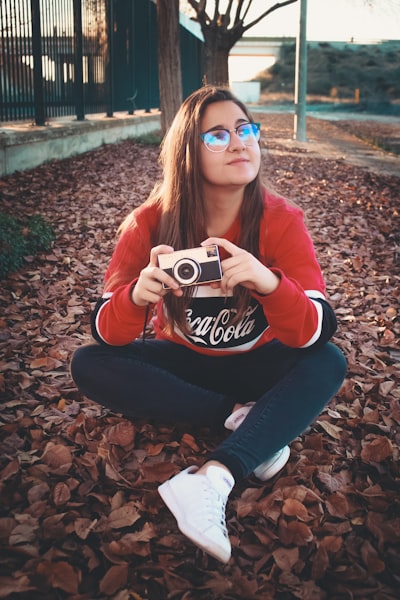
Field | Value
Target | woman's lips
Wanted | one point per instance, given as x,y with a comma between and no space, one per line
238,161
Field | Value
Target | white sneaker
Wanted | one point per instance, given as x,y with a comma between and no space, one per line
270,467
198,504
237,417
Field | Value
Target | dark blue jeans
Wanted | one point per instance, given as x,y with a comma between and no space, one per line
166,381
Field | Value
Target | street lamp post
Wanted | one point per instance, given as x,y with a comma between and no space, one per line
301,77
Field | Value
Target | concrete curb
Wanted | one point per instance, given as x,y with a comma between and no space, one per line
24,146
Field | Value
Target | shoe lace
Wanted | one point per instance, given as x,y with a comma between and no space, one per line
215,505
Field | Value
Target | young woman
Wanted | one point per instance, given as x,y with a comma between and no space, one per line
248,347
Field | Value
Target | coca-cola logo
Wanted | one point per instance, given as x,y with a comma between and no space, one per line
217,330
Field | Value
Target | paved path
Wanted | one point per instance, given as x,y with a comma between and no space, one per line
347,147
326,139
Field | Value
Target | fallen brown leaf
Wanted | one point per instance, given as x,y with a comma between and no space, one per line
81,516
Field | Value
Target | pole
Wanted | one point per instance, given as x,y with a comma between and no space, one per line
110,57
78,71
301,77
40,117
149,41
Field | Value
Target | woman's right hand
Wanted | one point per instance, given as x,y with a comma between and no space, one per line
149,287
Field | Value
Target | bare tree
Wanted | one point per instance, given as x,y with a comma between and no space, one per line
221,31
169,60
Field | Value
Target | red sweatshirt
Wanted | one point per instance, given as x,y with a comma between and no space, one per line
296,313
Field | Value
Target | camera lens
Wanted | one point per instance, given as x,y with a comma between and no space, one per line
186,271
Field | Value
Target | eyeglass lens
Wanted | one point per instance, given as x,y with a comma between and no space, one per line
219,139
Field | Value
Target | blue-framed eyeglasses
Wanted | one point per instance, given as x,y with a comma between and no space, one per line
217,140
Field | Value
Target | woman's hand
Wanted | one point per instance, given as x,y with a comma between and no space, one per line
149,287
242,268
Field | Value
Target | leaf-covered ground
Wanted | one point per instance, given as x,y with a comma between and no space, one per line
80,514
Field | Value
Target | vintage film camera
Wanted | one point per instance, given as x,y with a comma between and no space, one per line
192,266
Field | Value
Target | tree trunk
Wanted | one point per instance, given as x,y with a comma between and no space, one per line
169,60
216,70
221,31
217,45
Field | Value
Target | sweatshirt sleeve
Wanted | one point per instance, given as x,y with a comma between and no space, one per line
297,311
116,320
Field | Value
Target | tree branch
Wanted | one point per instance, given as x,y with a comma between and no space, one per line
246,10
216,12
199,8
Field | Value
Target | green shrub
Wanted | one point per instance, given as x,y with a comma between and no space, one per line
373,69
20,238
153,138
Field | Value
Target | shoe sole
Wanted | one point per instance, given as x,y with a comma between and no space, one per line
167,494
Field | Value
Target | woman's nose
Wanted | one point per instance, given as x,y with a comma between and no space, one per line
235,142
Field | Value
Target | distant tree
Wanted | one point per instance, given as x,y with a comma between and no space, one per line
222,28
169,60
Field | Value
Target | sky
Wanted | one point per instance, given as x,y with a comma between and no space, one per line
334,20
327,20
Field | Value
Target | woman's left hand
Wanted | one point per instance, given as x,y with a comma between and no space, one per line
242,268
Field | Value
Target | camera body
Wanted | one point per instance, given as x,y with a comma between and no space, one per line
192,266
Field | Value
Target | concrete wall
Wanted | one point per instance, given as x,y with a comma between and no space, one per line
247,91
24,146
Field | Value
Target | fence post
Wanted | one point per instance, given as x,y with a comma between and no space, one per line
40,117
149,40
78,76
110,57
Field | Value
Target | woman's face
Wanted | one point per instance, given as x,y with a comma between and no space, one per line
239,163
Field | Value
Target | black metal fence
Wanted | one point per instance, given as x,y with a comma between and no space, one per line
77,57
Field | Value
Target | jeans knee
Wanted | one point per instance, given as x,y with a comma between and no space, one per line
326,366
337,360
80,366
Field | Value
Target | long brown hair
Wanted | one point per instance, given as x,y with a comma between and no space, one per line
179,196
